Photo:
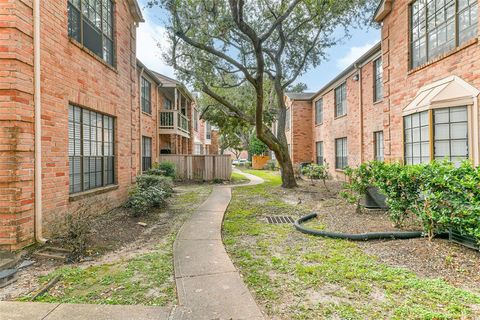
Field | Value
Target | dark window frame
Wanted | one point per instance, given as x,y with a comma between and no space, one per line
341,154
450,123
94,28
320,153
90,147
340,94
410,143
146,153
146,93
195,119
429,23
319,111
208,131
379,146
378,80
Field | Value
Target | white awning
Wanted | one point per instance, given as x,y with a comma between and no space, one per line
448,92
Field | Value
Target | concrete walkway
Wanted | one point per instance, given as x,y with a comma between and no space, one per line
208,284
56,311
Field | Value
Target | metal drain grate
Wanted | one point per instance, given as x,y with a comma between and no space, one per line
280,219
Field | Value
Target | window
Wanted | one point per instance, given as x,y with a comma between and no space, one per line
167,104
287,120
90,149
341,154
320,159
146,153
438,26
319,111
379,146
208,131
451,133
146,88
90,22
378,80
195,119
341,100
417,138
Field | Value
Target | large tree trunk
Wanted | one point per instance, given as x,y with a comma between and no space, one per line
288,174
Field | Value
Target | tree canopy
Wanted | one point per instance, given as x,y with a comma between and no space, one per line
219,46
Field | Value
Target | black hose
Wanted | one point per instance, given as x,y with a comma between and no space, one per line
358,236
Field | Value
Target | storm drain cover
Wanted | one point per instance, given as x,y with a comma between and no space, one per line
280,219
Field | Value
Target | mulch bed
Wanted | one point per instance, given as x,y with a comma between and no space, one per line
438,258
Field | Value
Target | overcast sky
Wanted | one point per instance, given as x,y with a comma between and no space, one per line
151,43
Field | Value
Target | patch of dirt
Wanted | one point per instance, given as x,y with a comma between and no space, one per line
439,258
114,235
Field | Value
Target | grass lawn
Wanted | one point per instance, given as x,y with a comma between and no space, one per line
296,276
145,278
238,178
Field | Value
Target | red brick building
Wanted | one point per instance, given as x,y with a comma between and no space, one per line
431,60
68,100
339,125
412,98
80,116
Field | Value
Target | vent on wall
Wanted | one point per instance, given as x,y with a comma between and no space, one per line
280,219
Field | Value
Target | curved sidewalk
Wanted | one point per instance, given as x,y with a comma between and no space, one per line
208,284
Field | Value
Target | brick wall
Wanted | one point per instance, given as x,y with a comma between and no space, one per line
69,75
300,135
16,124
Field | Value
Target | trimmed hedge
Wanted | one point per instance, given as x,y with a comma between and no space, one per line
443,196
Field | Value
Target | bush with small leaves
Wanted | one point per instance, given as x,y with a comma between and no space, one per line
359,179
150,192
146,181
316,172
164,168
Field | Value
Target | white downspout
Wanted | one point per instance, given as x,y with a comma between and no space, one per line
38,124
140,119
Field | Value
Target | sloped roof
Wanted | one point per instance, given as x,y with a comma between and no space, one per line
300,95
345,73
135,10
442,93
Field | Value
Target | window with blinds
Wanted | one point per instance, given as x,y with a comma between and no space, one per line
319,111
341,100
146,92
379,146
146,153
90,22
90,149
438,26
320,158
341,153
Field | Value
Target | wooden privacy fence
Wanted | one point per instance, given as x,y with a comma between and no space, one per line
200,167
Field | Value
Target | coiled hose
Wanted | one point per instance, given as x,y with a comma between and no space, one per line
357,236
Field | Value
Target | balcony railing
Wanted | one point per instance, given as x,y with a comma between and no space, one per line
173,120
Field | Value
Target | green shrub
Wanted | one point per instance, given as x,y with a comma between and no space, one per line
359,179
442,195
450,198
165,168
146,181
400,184
150,192
316,172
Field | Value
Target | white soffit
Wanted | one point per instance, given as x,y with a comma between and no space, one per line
449,90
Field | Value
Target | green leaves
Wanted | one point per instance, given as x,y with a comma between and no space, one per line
443,196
